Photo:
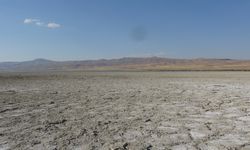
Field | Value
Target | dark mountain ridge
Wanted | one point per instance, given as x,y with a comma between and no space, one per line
128,63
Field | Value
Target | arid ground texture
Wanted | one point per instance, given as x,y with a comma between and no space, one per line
125,110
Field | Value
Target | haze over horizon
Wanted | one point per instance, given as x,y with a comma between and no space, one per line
83,29
120,58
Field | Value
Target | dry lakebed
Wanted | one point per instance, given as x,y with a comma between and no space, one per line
125,110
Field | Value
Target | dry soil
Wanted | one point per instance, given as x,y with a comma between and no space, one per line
125,110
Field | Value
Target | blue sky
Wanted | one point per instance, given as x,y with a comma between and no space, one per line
93,29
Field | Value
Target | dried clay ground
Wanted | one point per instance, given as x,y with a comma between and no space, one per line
125,110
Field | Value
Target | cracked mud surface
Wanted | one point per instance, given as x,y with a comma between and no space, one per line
125,110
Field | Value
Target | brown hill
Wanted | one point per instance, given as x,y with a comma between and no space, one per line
131,63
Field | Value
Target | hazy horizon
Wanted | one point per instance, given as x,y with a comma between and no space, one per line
63,30
32,59
117,58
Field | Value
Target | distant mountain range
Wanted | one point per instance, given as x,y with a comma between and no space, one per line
130,63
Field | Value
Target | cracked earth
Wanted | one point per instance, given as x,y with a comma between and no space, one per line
125,110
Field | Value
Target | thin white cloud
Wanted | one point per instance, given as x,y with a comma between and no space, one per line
37,22
29,21
53,25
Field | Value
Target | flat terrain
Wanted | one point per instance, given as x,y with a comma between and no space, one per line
125,110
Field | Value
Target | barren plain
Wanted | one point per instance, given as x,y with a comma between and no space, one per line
125,110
